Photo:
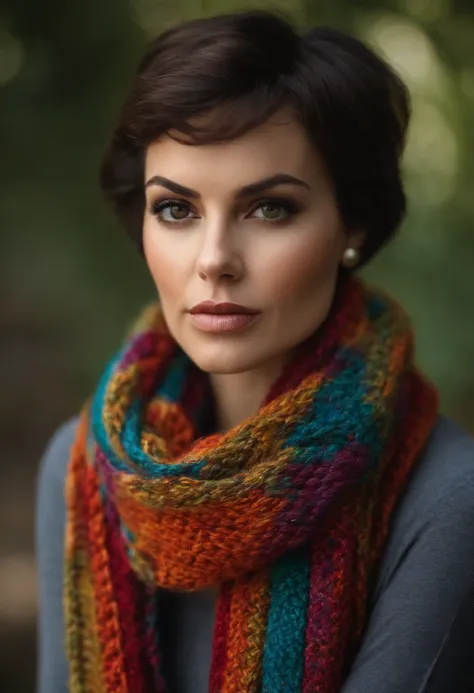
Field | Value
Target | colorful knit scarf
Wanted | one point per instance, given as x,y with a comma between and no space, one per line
287,513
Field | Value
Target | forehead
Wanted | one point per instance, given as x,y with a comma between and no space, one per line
281,145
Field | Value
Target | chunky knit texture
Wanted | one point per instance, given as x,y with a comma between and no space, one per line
287,513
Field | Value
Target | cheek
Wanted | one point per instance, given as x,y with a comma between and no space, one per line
166,265
306,269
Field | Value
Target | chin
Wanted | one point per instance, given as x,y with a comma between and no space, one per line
224,360
222,366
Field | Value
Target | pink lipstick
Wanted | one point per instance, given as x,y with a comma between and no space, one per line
222,317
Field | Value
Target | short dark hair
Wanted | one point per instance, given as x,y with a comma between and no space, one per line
243,67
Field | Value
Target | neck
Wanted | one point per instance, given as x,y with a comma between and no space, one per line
240,395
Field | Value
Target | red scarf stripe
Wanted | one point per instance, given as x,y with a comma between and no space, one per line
220,639
108,622
330,613
81,634
128,593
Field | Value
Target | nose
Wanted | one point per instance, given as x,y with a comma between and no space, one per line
219,258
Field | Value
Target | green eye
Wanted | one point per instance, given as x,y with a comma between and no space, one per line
274,210
271,211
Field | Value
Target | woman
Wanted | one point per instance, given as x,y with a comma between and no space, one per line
261,493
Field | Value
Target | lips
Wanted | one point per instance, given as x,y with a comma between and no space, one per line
222,317
212,308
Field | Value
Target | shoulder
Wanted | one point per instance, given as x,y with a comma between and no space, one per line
433,522
450,448
421,608
50,511
49,549
440,490
444,475
54,461
51,478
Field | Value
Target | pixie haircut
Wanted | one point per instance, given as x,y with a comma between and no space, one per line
240,69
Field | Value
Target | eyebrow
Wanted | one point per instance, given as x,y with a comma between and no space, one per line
251,189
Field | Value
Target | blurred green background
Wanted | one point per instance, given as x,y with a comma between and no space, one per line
70,281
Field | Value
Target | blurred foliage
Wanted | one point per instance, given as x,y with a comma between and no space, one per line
70,281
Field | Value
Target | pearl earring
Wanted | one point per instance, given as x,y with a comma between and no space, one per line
351,257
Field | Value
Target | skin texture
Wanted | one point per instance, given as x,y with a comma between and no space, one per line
237,249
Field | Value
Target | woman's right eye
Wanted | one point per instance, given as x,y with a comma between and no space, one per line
171,211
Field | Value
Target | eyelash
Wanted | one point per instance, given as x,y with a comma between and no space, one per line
289,206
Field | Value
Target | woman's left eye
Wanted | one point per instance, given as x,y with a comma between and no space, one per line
273,211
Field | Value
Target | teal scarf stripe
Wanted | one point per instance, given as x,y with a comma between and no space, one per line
130,435
313,437
97,409
283,653
172,387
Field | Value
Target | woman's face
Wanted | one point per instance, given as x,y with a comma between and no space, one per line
251,222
